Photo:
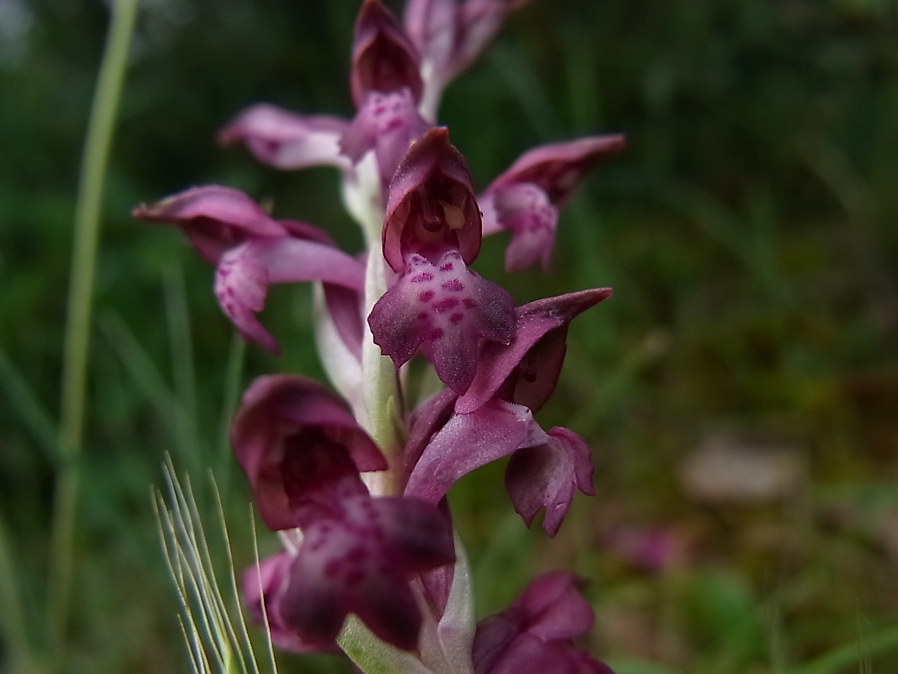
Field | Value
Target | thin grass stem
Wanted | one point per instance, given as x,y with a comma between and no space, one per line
12,618
77,337
233,379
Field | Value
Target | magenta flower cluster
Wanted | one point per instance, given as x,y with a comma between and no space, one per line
356,482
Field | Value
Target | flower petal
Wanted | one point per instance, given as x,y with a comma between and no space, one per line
359,561
445,309
245,272
286,140
431,206
525,209
215,218
528,367
383,57
426,421
534,634
286,436
388,124
469,441
557,168
266,583
479,21
547,475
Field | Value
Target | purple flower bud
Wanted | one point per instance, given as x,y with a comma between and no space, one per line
286,140
387,124
535,633
300,448
383,57
431,207
526,198
445,309
526,370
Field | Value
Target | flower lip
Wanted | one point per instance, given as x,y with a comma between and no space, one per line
383,57
431,206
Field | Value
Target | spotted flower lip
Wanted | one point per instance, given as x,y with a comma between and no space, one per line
263,588
535,634
286,140
356,560
431,206
359,560
383,58
446,310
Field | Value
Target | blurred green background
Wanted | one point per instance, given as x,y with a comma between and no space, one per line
740,390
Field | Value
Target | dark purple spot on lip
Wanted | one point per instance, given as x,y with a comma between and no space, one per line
469,303
447,267
453,285
435,334
332,568
422,277
456,318
445,305
426,296
422,316
356,555
354,577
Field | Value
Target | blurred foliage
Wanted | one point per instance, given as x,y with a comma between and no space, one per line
748,231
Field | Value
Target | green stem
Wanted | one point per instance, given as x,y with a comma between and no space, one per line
381,385
233,378
13,614
77,336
